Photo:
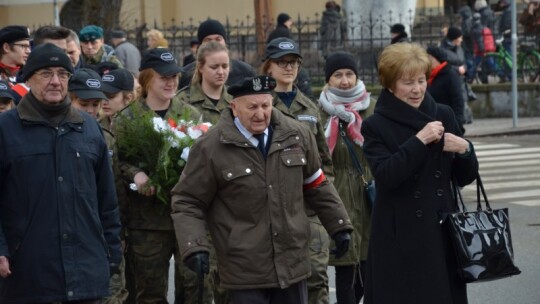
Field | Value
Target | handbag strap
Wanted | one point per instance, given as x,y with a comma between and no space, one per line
352,153
479,189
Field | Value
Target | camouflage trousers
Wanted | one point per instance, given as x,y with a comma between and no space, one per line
317,283
117,286
149,253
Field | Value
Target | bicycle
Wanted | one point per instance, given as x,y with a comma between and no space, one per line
499,64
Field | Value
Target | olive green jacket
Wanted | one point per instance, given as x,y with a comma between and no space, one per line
351,191
194,96
145,212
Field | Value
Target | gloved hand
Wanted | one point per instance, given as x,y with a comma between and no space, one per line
198,262
342,240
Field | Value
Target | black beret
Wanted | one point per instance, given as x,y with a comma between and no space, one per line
13,33
45,56
253,85
437,53
211,27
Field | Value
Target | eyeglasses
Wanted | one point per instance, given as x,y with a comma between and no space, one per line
24,46
62,75
284,63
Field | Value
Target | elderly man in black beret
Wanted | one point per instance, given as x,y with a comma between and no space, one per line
247,180
14,50
59,221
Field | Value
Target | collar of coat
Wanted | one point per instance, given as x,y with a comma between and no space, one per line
196,95
281,124
397,110
29,113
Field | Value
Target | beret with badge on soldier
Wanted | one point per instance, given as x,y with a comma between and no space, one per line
253,85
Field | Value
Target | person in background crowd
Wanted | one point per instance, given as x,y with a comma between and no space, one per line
262,247
505,23
94,50
333,28
484,42
455,56
282,61
283,28
445,84
7,98
193,47
156,39
85,91
213,30
466,13
488,17
530,17
414,150
207,92
59,153
151,240
74,50
15,49
56,35
346,102
126,52
118,86
398,33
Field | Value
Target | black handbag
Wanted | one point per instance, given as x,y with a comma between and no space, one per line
369,186
481,239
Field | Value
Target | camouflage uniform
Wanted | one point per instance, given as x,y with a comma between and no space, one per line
117,284
305,111
105,54
194,96
150,239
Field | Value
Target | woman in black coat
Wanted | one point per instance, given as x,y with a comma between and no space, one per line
413,147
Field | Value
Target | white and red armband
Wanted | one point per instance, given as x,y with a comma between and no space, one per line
315,180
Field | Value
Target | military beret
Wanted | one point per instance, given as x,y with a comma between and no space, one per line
253,85
90,33
13,33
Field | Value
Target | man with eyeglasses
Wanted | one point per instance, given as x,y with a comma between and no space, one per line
14,50
59,221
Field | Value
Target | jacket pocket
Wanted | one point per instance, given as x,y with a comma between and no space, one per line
86,161
238,171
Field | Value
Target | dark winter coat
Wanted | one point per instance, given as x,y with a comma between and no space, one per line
410,260
280,31
447,89
254,207
466,13
239,71
59,214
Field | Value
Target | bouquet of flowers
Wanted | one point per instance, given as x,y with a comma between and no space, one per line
159,147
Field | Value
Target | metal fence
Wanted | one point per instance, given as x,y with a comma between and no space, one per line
365,38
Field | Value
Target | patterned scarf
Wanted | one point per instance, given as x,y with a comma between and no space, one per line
344,105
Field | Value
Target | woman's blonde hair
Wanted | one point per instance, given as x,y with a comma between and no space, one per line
156,37
204,50
402,59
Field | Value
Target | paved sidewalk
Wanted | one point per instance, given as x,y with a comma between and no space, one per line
502,126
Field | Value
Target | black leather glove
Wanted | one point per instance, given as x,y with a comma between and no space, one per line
342,240
198,262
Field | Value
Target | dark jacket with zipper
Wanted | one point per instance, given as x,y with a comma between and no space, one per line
58,210
410,258
446,88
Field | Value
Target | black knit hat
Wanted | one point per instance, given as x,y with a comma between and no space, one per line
210,27
437,53
117,80
253,85
86,84
339,60
13,33
45,56
397,28
161,60
453,33
282,18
